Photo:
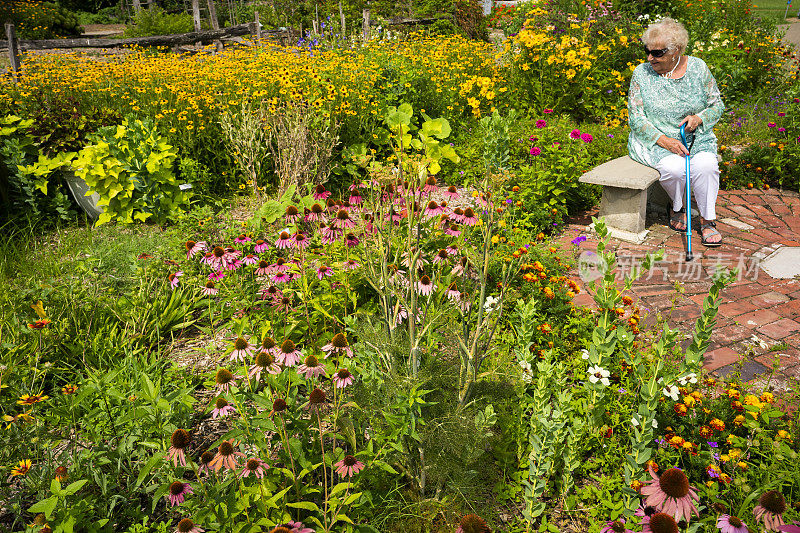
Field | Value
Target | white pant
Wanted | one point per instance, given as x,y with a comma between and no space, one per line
704,170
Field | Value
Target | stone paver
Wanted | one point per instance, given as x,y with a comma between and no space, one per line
759,316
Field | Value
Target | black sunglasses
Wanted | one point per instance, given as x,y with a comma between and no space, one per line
655,53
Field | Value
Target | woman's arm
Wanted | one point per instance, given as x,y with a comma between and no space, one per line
637,120
714,106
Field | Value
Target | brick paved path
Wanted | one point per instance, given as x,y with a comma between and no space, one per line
759,317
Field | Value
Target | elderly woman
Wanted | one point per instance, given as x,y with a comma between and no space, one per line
670,90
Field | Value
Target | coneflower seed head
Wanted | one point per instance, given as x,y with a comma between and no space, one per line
268,343
339,341
226,448
288,346
252,464
190,245
663,523
176,487
312,361
473,523
773,501
223,376
240,344
264,359
180,439
279,405
185,525
220,403
674,483
316,397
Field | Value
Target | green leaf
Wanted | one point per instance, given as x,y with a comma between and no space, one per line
154,460
308,506
340,487
46,506
72,488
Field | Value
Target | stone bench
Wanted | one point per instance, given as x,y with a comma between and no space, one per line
627,186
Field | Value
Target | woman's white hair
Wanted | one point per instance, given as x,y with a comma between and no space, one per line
668,31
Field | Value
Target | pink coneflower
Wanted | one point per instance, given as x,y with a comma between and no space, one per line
351,264
300,241
332,205
444,221
271,292
179,441
316,213
242,349
187,526
452,193
233,253
343,220
284,303
234,264
587,138
222,408
356,198
226,456
671,493
320,193
430,185
261,246
349,466
337,345
193,248
425,286
323,271
254,466
469,218
216,276
311,368
408,258
250,259
535,150
297,527
288,354
178,491
264,362
173,279
216,258
280,265
731,524
284,240
770,509
204,461
433,209
457,215
242,239
209,289
394,216
282,277
795,527
263,268
316,399
452,250
660,523
291,215
452,230
342,378
472,523
575,134
452,291
616,526
351,240
541,123
441,256
460,267
224,379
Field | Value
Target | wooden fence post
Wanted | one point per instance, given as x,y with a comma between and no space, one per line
366,24
196,14
137,6
341,16
13,51
212,14
258,28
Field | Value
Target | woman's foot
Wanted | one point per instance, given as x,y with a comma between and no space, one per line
677,221
710,235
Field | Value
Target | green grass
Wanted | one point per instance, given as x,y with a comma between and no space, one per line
776,8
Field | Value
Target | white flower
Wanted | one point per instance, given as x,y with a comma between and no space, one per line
584,354
598,373
672,392
488,305
635,422
655,424
688,378
527,371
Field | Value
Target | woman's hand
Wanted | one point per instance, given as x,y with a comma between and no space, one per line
673,145
692,122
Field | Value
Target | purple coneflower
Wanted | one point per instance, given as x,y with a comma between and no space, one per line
242,349
356,198
234,264
351,240
284,240
242,238
433,209
300,241
204,461
472,523
343,220
311,368
224,379
216,275
469,218
731,524
291,215
209,289
430,185
316,398
315,214
288,354
660,523
452,230
770,509
173,278
254,466
616,526
323,271
261,246
671,493
298,527
464,302
425,286
250,259
178,491
226,456
284,303
349,466
331,205
452,250
452,291
457,215
320,193
264,362
193,248
282,277
279,405
342,378
187,526
222,408
441,256
216,258
338,344
179,441
452,193
263,268
351,264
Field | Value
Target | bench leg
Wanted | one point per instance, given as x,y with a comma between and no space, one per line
624,209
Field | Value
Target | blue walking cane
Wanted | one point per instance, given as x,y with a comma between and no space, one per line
687,138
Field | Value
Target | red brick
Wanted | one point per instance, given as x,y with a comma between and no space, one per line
787,358
779,329
741,210
774,222
769,299
759,318
759,210
731,334
790,309
720,357
685,313
736,308
781,210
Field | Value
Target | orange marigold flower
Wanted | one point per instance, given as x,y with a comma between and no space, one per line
717,424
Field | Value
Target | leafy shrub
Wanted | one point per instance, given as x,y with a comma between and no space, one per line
155,21
131,167
469,17
39,20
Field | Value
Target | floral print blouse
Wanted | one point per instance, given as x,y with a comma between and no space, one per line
657,105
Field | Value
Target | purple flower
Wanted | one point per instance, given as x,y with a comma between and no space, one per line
579,239
770,124
781,130
713,444
575,134
541,123
610,135
535,150
587,138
